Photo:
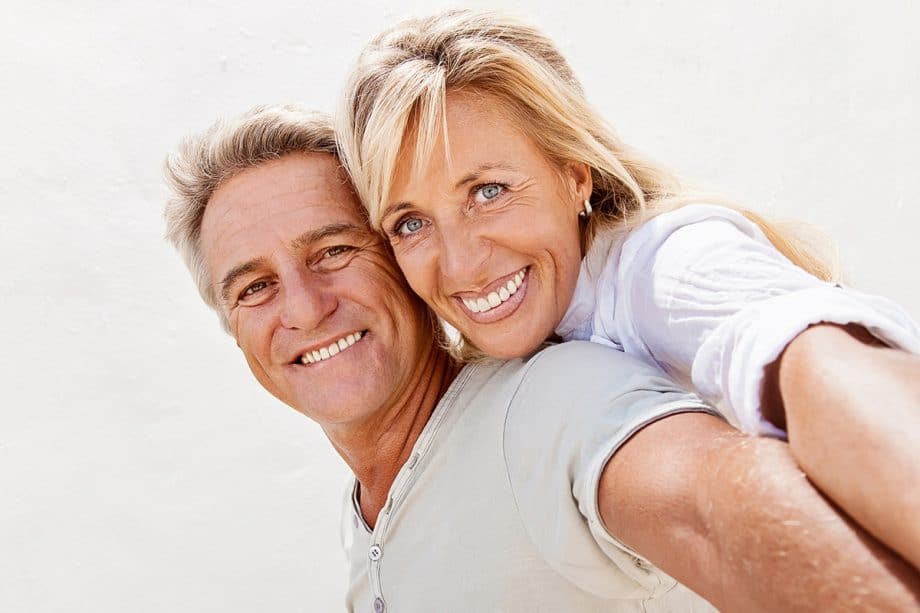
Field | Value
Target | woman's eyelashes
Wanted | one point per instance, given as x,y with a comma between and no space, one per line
406,226
487,193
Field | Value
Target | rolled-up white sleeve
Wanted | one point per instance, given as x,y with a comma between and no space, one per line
704,294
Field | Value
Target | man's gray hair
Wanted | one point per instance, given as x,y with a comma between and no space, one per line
203,162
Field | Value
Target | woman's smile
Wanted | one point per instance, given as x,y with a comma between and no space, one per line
499,300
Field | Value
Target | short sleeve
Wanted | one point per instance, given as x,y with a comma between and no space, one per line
704,294
576,405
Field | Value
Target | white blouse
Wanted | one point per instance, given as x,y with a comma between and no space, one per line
701,293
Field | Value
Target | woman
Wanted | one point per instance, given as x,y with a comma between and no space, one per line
516,214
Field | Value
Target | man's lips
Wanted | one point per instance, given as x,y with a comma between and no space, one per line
320,353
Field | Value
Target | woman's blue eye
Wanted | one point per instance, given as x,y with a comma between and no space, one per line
409,226
489,192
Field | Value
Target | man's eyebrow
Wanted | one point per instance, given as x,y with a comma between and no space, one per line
235,273
468,178
324,232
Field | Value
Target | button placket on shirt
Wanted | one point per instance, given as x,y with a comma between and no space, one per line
398,491
375,551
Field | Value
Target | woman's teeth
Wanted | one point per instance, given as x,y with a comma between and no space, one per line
481,305
312,357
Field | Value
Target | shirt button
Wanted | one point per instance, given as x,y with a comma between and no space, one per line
379,605
375,553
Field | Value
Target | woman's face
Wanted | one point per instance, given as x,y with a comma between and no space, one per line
490,236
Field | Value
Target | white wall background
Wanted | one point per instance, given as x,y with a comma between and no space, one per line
141,469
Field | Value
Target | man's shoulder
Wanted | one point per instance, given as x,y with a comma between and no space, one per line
575,405
563,380
577,385
588,366
572,363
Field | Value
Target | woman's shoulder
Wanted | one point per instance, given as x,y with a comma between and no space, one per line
659,227
612,249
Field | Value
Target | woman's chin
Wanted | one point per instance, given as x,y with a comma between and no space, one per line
508,349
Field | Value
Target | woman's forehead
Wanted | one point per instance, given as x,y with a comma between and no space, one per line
468,120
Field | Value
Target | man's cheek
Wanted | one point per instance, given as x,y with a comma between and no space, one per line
245,330
233,323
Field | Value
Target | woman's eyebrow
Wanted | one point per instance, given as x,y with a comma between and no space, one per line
482,168
396,207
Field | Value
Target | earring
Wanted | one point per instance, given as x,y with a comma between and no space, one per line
588,210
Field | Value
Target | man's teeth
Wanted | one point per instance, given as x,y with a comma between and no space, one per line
480,305
312,357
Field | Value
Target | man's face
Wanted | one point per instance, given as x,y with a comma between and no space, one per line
324,318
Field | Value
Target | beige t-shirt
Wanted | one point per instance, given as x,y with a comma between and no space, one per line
495,510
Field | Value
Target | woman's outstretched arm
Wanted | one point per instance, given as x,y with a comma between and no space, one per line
851,407
732,517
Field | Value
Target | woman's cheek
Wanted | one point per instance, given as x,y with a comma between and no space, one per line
413,270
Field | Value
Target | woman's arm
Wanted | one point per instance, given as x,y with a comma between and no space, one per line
733,518
851,407
708,298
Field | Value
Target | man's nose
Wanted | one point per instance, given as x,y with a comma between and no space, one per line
306,301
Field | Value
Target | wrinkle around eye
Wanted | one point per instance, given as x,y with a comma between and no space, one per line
342,249
256,293
335,257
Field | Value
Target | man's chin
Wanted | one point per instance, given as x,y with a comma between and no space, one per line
341,398
332,413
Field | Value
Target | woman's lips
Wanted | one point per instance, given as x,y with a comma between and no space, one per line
498,303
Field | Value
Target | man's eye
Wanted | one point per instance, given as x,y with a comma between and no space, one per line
252,290
487,192
331,252
409,226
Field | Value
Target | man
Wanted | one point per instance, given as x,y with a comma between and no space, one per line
543,484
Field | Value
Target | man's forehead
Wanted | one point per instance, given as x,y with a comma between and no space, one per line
315,175
280,200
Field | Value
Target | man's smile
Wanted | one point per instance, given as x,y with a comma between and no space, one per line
330,350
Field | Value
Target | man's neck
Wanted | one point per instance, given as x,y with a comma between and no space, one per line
376,451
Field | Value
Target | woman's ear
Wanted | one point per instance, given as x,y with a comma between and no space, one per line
579,174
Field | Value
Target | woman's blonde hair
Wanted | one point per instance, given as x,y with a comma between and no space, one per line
399,87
